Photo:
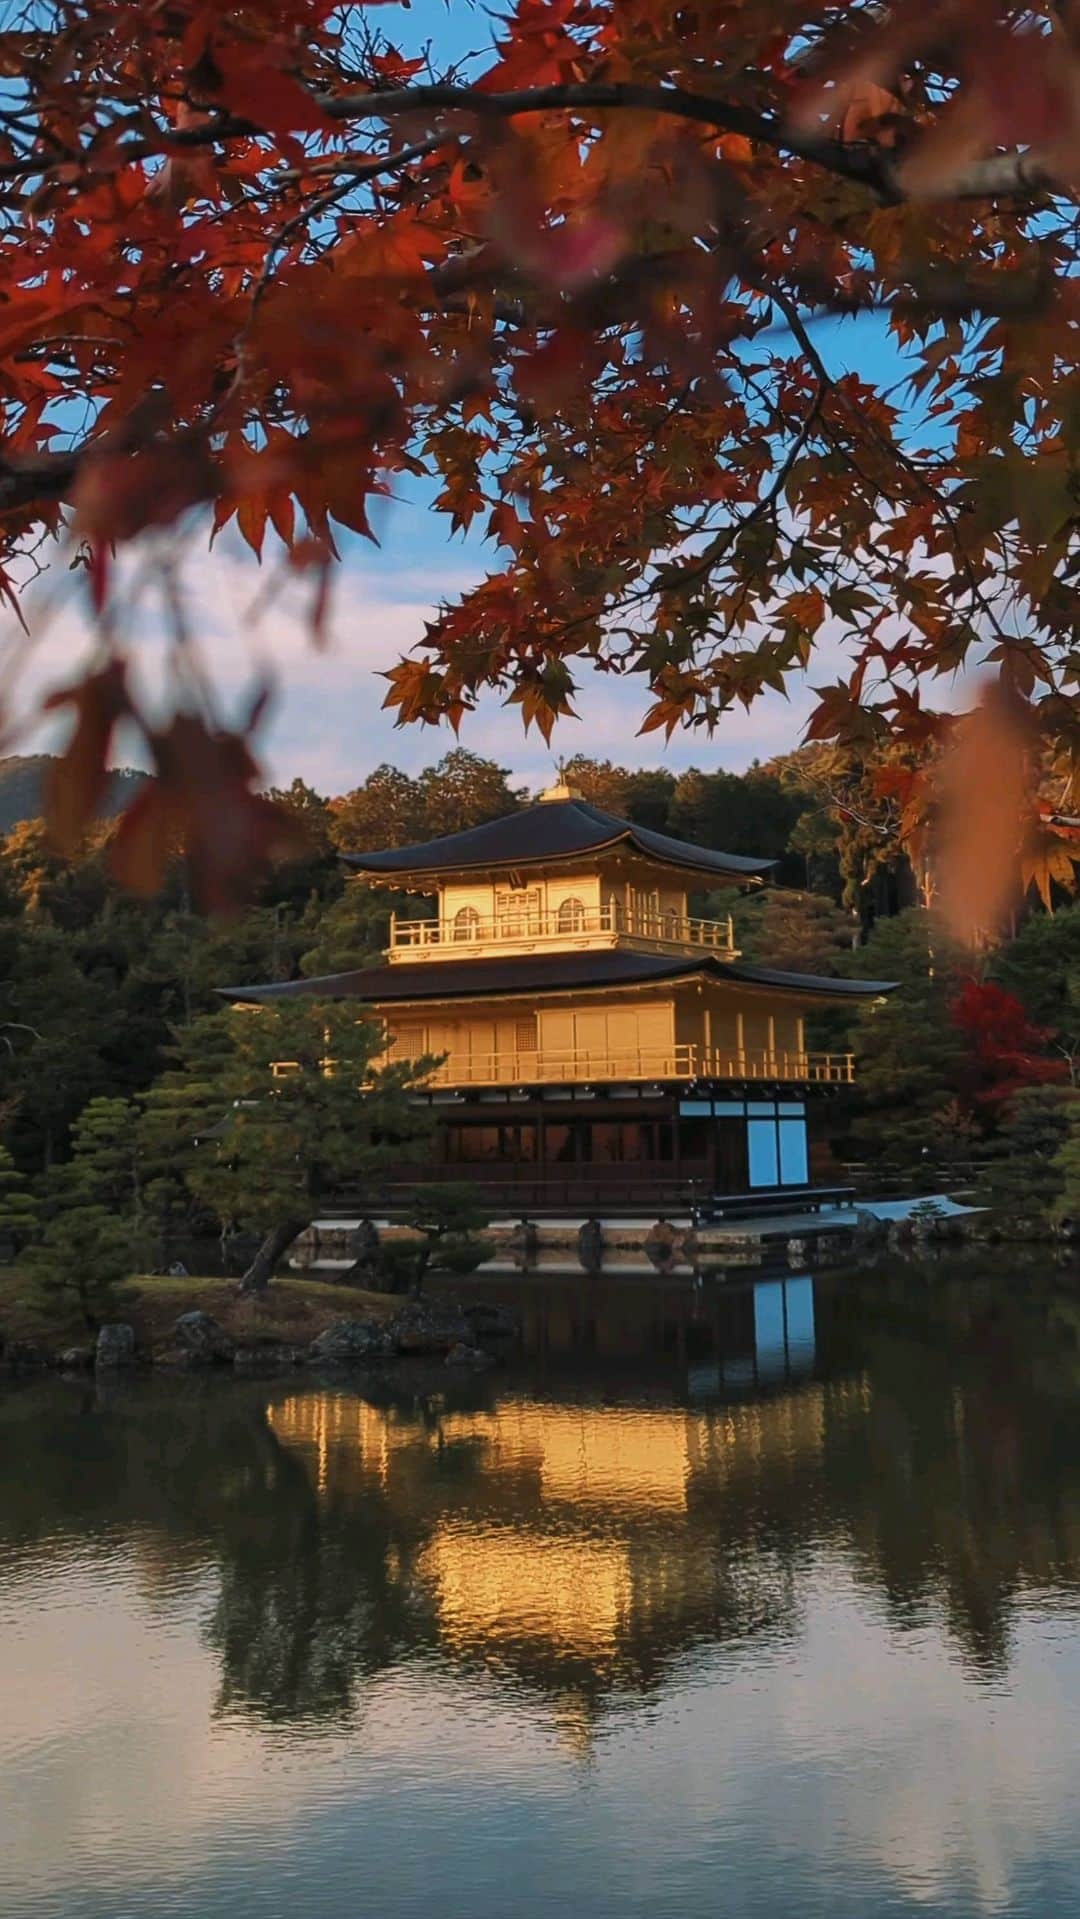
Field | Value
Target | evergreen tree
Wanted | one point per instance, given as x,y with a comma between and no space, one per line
90,1242
814,841
290,883
449,1221
795,931
1033,1166
103,1156
18,1209
60,1027
907,1047
464,790
283,1143
386,810
1041,966
749,813
355,930
641,794
182,1109
1064,1203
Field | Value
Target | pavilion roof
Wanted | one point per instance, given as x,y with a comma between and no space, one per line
536,974
561,829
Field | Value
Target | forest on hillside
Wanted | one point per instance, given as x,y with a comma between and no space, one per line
23,785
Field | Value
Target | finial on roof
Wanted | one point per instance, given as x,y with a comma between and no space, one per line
561,790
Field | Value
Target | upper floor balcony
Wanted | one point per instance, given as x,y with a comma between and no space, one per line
594,1066
574,927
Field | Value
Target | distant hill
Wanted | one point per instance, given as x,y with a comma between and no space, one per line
22,780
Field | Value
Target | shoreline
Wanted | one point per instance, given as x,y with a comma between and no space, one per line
174,1324
188,1324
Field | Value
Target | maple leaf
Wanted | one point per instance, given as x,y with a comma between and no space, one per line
266,265
839,715
415,690
120,494
1047,860
545,697
77,780
984,799
202,800
254,83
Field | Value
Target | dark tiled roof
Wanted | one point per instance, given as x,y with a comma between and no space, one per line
548,973
812,982
551,830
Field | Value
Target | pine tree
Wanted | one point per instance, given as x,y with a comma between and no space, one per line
450,1222
281,1144
179,1111
90,1241
1042,967
796,931
908,1049
18,1208
1033,1166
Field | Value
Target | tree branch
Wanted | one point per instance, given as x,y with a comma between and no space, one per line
1000,176
31,478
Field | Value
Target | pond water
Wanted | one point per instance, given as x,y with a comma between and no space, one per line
761,1600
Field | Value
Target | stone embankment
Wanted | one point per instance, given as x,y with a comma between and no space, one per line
610,1245
670,1244
436,1331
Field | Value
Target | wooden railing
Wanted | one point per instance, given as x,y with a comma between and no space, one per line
460,936
646,1188
587,1066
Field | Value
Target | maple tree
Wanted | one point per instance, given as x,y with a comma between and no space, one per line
257,264
1007,1051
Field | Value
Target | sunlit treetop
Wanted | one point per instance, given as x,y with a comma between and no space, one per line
256,265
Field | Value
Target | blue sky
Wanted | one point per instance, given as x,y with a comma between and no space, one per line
326,722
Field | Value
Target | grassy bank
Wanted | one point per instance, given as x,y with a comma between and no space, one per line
292,1311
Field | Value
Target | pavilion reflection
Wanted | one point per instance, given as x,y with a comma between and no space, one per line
727,1338
578,1530
569,1543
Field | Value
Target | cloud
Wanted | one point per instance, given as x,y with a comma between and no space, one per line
326,721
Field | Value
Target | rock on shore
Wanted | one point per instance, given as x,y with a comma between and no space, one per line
115,1346
205,1342
351,1342
430,1327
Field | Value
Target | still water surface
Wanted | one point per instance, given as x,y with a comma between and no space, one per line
761,1601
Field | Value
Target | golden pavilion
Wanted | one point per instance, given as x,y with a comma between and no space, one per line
597,1043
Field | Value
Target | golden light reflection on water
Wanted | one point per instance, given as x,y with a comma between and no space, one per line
498,1585
640,1459
586,1455
570,1533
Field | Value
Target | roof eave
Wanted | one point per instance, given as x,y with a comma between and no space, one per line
807,988
752,875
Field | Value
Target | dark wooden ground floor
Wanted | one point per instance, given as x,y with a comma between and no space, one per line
646,1152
